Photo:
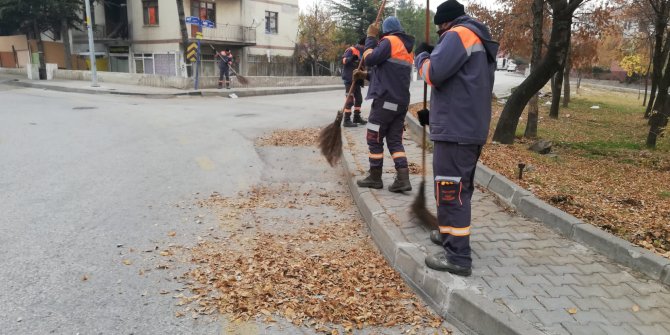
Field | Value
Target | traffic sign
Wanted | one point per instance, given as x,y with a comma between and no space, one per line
193,20
191,52
198,35
208,24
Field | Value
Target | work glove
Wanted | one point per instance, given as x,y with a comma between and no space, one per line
423,116
360,75
424,47
373,30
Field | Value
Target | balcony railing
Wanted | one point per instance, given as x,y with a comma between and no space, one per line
121,32
227,33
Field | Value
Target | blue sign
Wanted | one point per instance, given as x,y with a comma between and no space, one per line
207,24
193,20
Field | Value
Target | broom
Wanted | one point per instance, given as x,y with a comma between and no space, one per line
243,80
330,138
425,217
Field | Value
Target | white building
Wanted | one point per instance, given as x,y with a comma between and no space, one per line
143,36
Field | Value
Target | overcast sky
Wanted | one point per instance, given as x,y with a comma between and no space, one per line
433,3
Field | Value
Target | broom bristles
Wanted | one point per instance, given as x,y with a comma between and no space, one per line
425,217
330,142
242,79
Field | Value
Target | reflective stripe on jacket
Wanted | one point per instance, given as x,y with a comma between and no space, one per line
390,62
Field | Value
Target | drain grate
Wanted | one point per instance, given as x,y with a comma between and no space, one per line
84,107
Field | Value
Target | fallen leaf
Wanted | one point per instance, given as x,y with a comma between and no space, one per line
84,278
127,262
172,234
635,308
572,310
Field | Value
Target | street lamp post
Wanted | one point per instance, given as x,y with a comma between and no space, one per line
91,47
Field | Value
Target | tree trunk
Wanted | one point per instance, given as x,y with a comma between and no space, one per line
566,79
555,56
658,119
652,96
579,80
65,33
658,59
556,87
40,48
184,33
533,115
533,104
646,88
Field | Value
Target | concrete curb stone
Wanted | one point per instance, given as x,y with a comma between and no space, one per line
226,94
560,221
665,276
617,249
622,251
448,295
483,175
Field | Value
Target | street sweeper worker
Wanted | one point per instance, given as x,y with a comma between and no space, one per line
225,61
350,61
390,63
460,69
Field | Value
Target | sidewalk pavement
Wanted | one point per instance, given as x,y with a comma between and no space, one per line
78,86
527,278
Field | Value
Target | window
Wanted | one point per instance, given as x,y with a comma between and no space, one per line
150,9
271,22
144,63
204,10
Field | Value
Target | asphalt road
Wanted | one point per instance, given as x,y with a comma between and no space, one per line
88,182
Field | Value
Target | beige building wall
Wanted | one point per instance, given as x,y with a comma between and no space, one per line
282,43
18,41
166,31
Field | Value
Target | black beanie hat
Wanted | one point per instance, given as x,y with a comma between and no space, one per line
448,11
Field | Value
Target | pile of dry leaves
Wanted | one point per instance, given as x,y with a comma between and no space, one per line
293,277
291,138
326,275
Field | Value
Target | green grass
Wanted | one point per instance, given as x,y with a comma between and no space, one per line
604,148
664,194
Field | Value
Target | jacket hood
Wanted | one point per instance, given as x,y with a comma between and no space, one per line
391,24
482,32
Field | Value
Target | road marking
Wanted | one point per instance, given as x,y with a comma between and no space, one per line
205,163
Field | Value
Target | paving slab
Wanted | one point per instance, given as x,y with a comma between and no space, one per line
541,280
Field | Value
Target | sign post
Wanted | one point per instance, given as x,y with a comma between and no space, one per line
194,50
91,45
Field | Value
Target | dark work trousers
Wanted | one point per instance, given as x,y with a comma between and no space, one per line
454,169
356,98
224,73
387,121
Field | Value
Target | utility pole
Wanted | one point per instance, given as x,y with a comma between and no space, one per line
91,47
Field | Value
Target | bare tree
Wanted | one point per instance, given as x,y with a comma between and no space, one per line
562,12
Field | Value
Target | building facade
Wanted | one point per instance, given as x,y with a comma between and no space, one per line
144,36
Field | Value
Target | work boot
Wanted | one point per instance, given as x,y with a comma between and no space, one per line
359,119
347,121
401,182
440,262
436,237
373,179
